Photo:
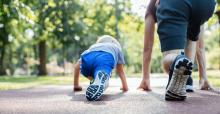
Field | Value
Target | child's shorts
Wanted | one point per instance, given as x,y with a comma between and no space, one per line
95,61
181,19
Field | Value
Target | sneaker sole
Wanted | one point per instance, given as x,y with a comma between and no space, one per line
189,88
173,97
183,67
94,92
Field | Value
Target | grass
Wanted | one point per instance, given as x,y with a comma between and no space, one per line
213,77
9,82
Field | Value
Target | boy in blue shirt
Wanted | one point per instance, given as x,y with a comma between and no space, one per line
96,64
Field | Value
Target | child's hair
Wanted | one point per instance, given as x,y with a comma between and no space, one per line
108,39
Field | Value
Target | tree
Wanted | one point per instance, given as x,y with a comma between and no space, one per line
12,14
43,29
68,24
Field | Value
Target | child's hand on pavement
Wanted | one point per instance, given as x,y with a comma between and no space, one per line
77,88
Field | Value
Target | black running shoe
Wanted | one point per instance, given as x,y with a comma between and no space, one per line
189,85
180,71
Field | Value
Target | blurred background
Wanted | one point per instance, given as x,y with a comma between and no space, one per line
46,37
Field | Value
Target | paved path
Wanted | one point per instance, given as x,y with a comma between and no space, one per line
60,100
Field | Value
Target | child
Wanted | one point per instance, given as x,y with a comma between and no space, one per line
96,64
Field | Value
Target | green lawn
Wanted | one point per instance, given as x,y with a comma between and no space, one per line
8,82
213,77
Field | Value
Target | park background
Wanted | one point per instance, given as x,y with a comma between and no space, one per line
40,40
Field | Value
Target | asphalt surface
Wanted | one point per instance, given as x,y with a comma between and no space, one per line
61,100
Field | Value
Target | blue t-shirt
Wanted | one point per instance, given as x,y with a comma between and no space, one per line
111,48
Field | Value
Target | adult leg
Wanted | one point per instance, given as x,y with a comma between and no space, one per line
176,20
190,52
172,18
179,68
190,49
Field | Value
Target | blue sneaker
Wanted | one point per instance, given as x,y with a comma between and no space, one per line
180,71
97,87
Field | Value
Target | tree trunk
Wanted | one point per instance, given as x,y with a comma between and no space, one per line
2,69
42,54
64,59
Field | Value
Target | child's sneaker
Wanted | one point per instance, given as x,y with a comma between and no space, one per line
97,87
189,85
180,71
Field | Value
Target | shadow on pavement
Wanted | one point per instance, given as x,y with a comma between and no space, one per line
157,96
200,102
215,91
105,97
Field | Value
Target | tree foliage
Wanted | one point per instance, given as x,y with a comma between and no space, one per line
42,31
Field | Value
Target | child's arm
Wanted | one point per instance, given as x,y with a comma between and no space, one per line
120,72
76,86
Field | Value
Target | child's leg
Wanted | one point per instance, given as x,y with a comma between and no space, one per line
103,65
90,78
83,66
